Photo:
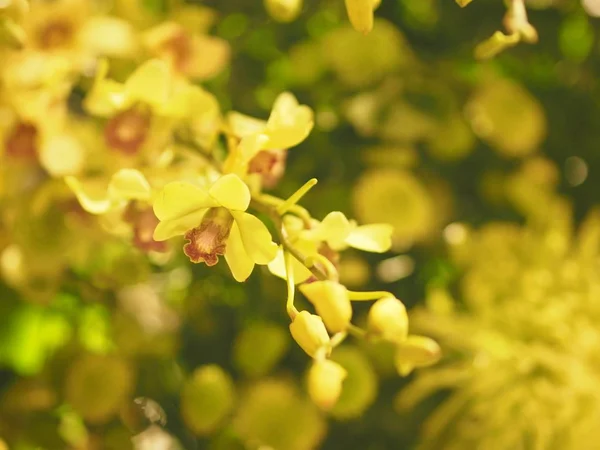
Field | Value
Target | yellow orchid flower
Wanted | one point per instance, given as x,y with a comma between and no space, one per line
288,125
340,233
215,223
123,202
147,102
67,30
337,232
99,196
194,55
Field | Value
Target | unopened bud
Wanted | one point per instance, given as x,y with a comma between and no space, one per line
283,10
309,332
331,301
388,319
360,13
325,380
416,351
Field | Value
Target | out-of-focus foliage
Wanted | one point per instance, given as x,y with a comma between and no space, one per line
462,137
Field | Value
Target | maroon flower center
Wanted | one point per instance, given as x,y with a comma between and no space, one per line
209,240
144,223
178,48
270,164
22,141
55,34
127,131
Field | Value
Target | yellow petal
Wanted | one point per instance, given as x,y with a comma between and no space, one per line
289,123
179,199
110,36
238,159
150,83
376,238
256,238
334,229
62,155
167,229
239,262
231,192
91,194
210,55
242,125
129,184
360,13
105,98
277,268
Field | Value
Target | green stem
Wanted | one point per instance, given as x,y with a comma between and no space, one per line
291,287
357,331
296,196
330,269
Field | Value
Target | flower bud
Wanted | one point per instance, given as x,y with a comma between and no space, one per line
331,302
388,319
360,13
416,351
325,380
309,332
283,10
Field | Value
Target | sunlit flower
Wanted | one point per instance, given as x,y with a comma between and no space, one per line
215,223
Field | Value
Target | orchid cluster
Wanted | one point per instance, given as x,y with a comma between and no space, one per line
110,136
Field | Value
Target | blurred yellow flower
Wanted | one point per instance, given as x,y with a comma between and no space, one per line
523,338
283,10
398,198
325,380
508,117
194,55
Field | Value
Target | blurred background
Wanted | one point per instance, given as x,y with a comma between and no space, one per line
486,170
